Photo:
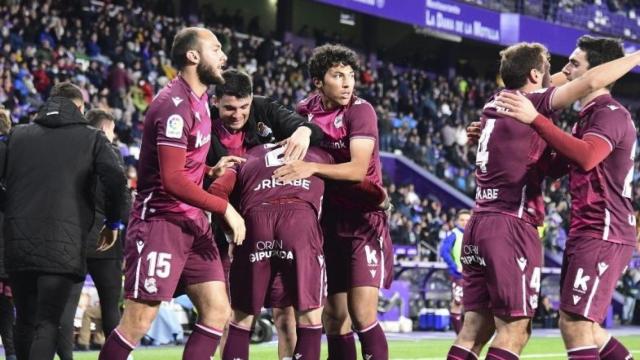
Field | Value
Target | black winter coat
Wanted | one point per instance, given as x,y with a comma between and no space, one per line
49,174
100,204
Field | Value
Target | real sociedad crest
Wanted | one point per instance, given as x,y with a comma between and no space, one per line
338,121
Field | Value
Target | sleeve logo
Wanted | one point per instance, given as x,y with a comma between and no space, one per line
175,123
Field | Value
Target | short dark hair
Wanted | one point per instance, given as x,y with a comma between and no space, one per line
185,40
67,90
236,83
517,60
600,50
327,56
96,117
462,212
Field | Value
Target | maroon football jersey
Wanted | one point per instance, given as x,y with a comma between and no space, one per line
601,197
257,185
340,126
510,161
176,117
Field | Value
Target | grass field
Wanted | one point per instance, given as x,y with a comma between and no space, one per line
548,348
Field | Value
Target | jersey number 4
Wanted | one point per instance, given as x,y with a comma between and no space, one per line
482,157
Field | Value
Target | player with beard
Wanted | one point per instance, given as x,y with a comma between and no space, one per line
501,253
602,234
357,242
169,241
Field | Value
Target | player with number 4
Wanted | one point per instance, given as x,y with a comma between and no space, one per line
602,233
501,253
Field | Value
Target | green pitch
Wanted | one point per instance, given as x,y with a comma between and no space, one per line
548,348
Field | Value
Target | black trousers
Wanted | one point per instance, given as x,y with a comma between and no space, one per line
40,299
107,277
6,324
66,339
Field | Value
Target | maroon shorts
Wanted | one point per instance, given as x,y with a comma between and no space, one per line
162,255
590,270
283,250
501,259
358,250
278,296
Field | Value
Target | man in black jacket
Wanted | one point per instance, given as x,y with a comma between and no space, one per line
105,267
49,174
241,120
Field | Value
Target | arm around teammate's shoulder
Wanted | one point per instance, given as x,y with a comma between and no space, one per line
285,121
594,79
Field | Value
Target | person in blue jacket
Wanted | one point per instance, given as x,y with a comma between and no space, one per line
450,252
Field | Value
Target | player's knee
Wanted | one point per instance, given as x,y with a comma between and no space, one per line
285,322
216,314
363,316
134,330
311,317
333,321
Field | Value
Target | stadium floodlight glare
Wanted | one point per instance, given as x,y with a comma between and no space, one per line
437,34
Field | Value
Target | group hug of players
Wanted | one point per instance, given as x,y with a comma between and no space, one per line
306,229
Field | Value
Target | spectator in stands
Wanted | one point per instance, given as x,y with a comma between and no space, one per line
91,313
546,314
451,252
45,228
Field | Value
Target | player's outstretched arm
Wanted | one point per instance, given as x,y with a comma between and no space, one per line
225,162
172,161
586,153
223,185
559,79
361,150
594,79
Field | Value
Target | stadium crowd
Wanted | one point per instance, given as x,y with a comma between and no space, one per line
120,60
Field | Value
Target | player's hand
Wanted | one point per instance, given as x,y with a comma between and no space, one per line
516,106
236,225
473,132
294,170
223,164
107,239
295,147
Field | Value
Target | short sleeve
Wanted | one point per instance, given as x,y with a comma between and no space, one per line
173,124
609,123
541,99
362,121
